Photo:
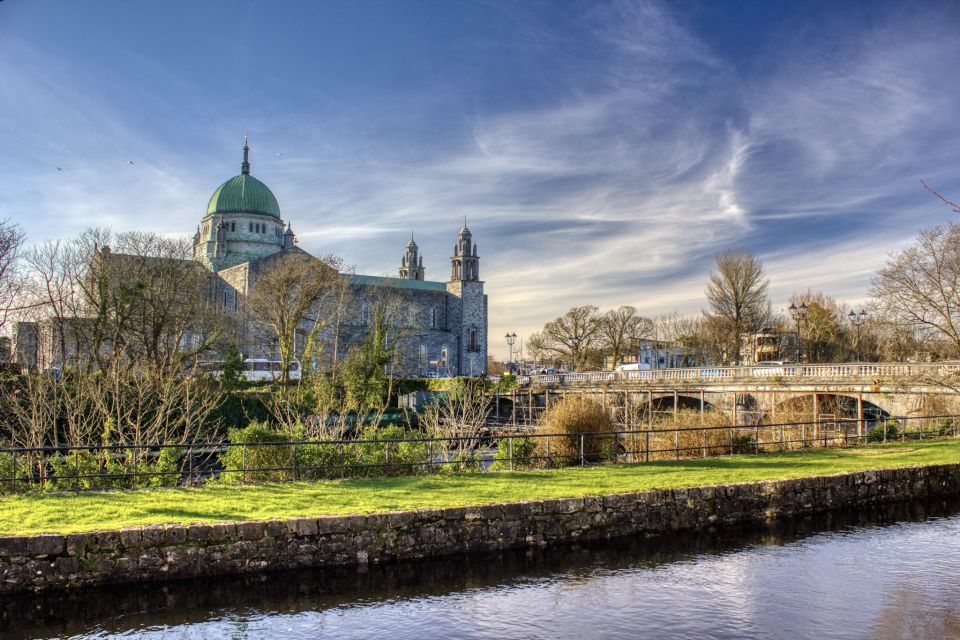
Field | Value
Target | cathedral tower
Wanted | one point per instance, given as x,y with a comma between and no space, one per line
411,265
465,263
471,315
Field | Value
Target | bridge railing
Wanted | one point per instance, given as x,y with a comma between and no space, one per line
842,371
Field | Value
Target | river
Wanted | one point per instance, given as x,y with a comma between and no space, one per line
882,573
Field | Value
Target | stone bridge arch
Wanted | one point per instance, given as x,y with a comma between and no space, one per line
809,407
664,403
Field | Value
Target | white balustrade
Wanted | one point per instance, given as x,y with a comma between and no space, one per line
782,372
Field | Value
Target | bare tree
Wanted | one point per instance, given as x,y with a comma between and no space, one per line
825,334
920,286
620,329
296,298
11,282
738,298
461,417
571,335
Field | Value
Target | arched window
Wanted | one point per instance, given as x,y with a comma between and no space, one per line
433,318
444,357
473,339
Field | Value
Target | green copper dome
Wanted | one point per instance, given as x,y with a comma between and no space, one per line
244,193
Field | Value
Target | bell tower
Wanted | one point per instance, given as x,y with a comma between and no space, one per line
411,265
465,263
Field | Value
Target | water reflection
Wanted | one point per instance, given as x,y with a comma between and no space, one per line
884,573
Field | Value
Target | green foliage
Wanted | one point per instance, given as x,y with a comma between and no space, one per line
524,450
242,406
363,373
231,373
406,458
271,463
317,460
320,461
945,426
507,383
744,443
11,468
889,430
108,469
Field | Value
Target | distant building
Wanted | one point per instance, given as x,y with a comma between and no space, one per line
770,344
662,354
242,234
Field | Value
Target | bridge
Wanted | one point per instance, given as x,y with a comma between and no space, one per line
751,394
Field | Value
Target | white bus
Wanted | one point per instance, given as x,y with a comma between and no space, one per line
254,369
261,369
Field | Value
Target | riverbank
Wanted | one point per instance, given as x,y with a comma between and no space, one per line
159,552
65,513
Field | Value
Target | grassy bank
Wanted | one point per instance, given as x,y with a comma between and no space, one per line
65,513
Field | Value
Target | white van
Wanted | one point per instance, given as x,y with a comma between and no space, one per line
634,366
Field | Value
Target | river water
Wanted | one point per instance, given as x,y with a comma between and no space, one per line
883,573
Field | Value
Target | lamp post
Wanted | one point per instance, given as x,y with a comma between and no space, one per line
511,338
857,319
798,314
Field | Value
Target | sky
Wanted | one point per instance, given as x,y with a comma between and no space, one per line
603,152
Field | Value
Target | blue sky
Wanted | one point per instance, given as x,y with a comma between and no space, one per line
603,152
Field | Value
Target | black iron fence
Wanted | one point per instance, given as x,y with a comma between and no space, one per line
97,467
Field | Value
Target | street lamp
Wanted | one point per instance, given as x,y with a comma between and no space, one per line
511,338
857,319
798,314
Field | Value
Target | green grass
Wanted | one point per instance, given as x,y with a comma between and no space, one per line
66,513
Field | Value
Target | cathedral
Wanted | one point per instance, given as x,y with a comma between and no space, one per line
444,324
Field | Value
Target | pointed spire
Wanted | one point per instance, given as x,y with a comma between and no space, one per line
245,167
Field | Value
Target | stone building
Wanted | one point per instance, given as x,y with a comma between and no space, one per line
444,324
440,328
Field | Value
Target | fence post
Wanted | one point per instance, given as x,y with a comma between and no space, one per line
14,471
803,436
190,466
430,455
676,441
510,445
294,463
581,449
647,447
616,447
548,452
756,439
387,451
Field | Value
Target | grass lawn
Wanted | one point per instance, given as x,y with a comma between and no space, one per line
66,513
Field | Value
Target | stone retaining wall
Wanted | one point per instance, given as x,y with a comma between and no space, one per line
162,552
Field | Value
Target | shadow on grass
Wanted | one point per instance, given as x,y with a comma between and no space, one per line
211,514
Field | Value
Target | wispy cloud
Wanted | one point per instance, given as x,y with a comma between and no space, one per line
632,153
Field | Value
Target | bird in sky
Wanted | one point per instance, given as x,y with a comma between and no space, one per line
279,155
59,169
131,161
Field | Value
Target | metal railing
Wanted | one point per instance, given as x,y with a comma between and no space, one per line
818,372
76,468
